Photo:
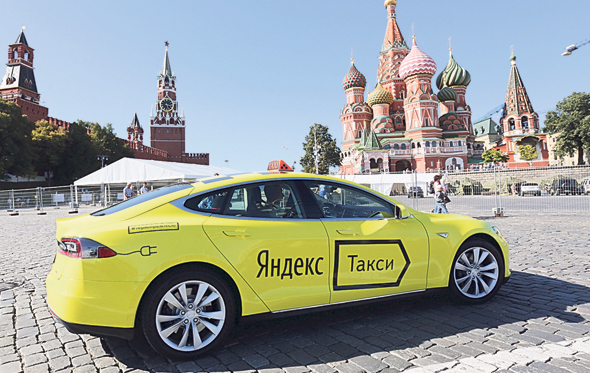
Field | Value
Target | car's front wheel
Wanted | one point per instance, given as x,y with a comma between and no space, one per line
477,272
188,314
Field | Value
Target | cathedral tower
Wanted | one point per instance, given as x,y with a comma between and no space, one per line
393,51
518,116
18,84
167,130
356,114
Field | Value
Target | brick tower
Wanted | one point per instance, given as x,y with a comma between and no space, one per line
167,130
520,123
18,84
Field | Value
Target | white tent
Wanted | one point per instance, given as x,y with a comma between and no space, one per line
383,183
139,170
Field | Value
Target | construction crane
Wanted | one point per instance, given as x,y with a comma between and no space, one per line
491,113
573,47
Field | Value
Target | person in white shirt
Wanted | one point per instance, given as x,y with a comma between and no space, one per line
143,189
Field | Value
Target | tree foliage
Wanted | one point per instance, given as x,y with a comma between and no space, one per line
494,156
571,121
329,152
527,152
15,141
106,142
49,142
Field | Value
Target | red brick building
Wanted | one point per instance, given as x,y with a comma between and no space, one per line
167,126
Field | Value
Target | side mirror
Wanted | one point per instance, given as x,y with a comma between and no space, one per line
402,212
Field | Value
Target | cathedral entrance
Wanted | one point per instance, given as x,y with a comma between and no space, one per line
403,166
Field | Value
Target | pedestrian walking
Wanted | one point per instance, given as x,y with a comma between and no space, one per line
513,189
440,206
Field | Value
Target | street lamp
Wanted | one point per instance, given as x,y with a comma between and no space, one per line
316,149
102,158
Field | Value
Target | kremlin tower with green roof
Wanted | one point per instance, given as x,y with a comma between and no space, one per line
398,128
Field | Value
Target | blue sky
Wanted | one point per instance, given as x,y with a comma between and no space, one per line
253,76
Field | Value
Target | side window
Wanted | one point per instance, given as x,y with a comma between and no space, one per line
271,200
343,202
211,202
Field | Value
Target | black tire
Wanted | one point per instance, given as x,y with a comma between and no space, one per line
467,277
184,318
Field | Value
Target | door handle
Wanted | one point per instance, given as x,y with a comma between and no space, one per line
236,234
347,233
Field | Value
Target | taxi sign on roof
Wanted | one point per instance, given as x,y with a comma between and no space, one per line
278,166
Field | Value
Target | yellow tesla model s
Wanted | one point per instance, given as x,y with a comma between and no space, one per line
184,263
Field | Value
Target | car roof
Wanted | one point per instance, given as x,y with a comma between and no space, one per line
220,181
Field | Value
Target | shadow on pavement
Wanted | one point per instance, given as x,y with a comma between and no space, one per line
332,336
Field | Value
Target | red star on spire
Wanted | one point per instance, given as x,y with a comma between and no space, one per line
167,44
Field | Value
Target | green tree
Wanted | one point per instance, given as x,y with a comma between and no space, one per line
527,152
15,141
571,121
49,143
494,156
106,143
79,155
329,152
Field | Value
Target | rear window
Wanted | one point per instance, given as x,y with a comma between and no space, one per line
530,184
140,199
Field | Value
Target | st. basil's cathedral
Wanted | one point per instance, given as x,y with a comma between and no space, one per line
400,127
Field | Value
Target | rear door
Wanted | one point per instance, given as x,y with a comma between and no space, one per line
373,253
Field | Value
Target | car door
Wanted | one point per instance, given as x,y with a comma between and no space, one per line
263,231
373,253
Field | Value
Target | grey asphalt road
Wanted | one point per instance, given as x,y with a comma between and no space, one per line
538,322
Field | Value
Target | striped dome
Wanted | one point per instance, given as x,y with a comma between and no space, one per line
447,94
453,75
354,79
417,62
379,96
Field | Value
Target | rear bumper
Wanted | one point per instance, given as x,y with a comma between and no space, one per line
98,331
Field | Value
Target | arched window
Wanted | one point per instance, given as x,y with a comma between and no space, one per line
511,125
419,145
524,121
451,144
166,81
403,146
459,144
396,147
413,145
426,122
26,56
427,144
14,54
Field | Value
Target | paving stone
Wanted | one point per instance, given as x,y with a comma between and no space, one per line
40,368
13,367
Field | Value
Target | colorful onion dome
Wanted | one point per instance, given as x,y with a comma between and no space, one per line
379,96
417,62
390,2
453,75
447,94
354,79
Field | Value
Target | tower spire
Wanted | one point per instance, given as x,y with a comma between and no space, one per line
166,70
393,35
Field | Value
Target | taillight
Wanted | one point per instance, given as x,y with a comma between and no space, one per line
84,248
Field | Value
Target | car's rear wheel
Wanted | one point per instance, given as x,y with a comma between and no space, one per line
477,272
188,314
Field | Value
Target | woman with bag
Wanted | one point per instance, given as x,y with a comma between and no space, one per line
440,197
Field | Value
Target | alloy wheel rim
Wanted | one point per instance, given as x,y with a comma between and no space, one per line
190,316
476,272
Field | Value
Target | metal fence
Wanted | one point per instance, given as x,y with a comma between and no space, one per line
477,193
536,189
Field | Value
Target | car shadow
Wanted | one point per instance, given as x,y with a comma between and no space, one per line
332,336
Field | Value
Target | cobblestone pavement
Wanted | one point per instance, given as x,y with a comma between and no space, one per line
538,322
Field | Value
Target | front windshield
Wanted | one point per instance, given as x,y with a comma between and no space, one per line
140,199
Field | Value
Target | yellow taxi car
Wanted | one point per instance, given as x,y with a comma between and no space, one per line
184,263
